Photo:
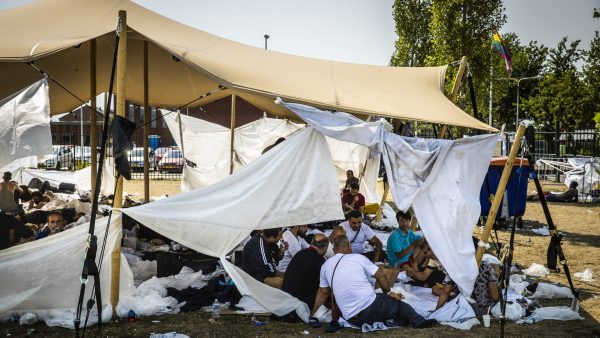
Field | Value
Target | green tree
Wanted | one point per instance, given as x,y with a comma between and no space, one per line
591,70
562,91
464,28
412,19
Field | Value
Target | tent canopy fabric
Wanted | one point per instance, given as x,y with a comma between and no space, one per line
186,63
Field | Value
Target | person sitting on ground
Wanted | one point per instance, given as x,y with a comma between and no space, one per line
350,179
36,201
346,275
54,225
336,231
431,275
359,233
353,200
571,195
485,291
402,241
260,256
279,140
7,193
301,278
293,237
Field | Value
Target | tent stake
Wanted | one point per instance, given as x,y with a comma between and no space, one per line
500,191
93,117
232,130
118,197
146,128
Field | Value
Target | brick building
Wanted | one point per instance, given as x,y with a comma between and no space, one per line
66,128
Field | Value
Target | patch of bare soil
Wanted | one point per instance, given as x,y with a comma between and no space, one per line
580,224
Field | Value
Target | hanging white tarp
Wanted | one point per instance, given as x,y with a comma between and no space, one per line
25,124
207,145
43,276
440,179
294,183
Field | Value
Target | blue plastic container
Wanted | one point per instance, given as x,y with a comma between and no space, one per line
154,141
516,188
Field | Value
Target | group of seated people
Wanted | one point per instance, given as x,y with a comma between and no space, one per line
338,264
22,214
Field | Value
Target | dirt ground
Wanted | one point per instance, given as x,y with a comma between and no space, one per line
580,224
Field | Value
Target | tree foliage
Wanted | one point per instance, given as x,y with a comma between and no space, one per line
412,19
438,32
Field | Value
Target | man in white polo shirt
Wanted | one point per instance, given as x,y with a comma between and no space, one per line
293,237
346,275
358,233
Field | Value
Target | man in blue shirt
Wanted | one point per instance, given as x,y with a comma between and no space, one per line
402,241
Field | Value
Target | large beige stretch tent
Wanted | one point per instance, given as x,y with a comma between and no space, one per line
185,64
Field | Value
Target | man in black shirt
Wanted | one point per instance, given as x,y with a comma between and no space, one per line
261,255
301,278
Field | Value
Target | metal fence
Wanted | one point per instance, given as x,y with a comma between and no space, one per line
559,147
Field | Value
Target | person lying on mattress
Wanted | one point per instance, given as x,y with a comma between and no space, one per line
426,271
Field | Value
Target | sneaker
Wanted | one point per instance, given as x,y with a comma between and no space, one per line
425,323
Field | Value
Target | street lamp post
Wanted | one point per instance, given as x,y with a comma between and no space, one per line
266,39
518,96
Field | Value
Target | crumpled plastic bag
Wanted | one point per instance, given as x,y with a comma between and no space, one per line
28,318
514,311
169,335
537,270
563,313
586,275
489,259
549,291
465,325
518,283
544,231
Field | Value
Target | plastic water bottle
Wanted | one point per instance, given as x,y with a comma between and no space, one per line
216,309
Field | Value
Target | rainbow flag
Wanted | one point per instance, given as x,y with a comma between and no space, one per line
500,47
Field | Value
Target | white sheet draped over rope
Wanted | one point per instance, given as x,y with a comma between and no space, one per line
25,124
43,276
294,183
440,179
208,144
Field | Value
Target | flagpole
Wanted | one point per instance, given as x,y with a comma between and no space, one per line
491,92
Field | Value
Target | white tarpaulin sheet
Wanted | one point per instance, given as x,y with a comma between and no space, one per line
272,191
207,145
43,276
440,179
25,124
81,178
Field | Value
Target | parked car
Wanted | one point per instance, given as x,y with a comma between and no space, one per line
172,161
136,159
160,152
64,156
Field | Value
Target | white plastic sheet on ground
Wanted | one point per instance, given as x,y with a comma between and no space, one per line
81,178
441,179
272,191
25,124
42,277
